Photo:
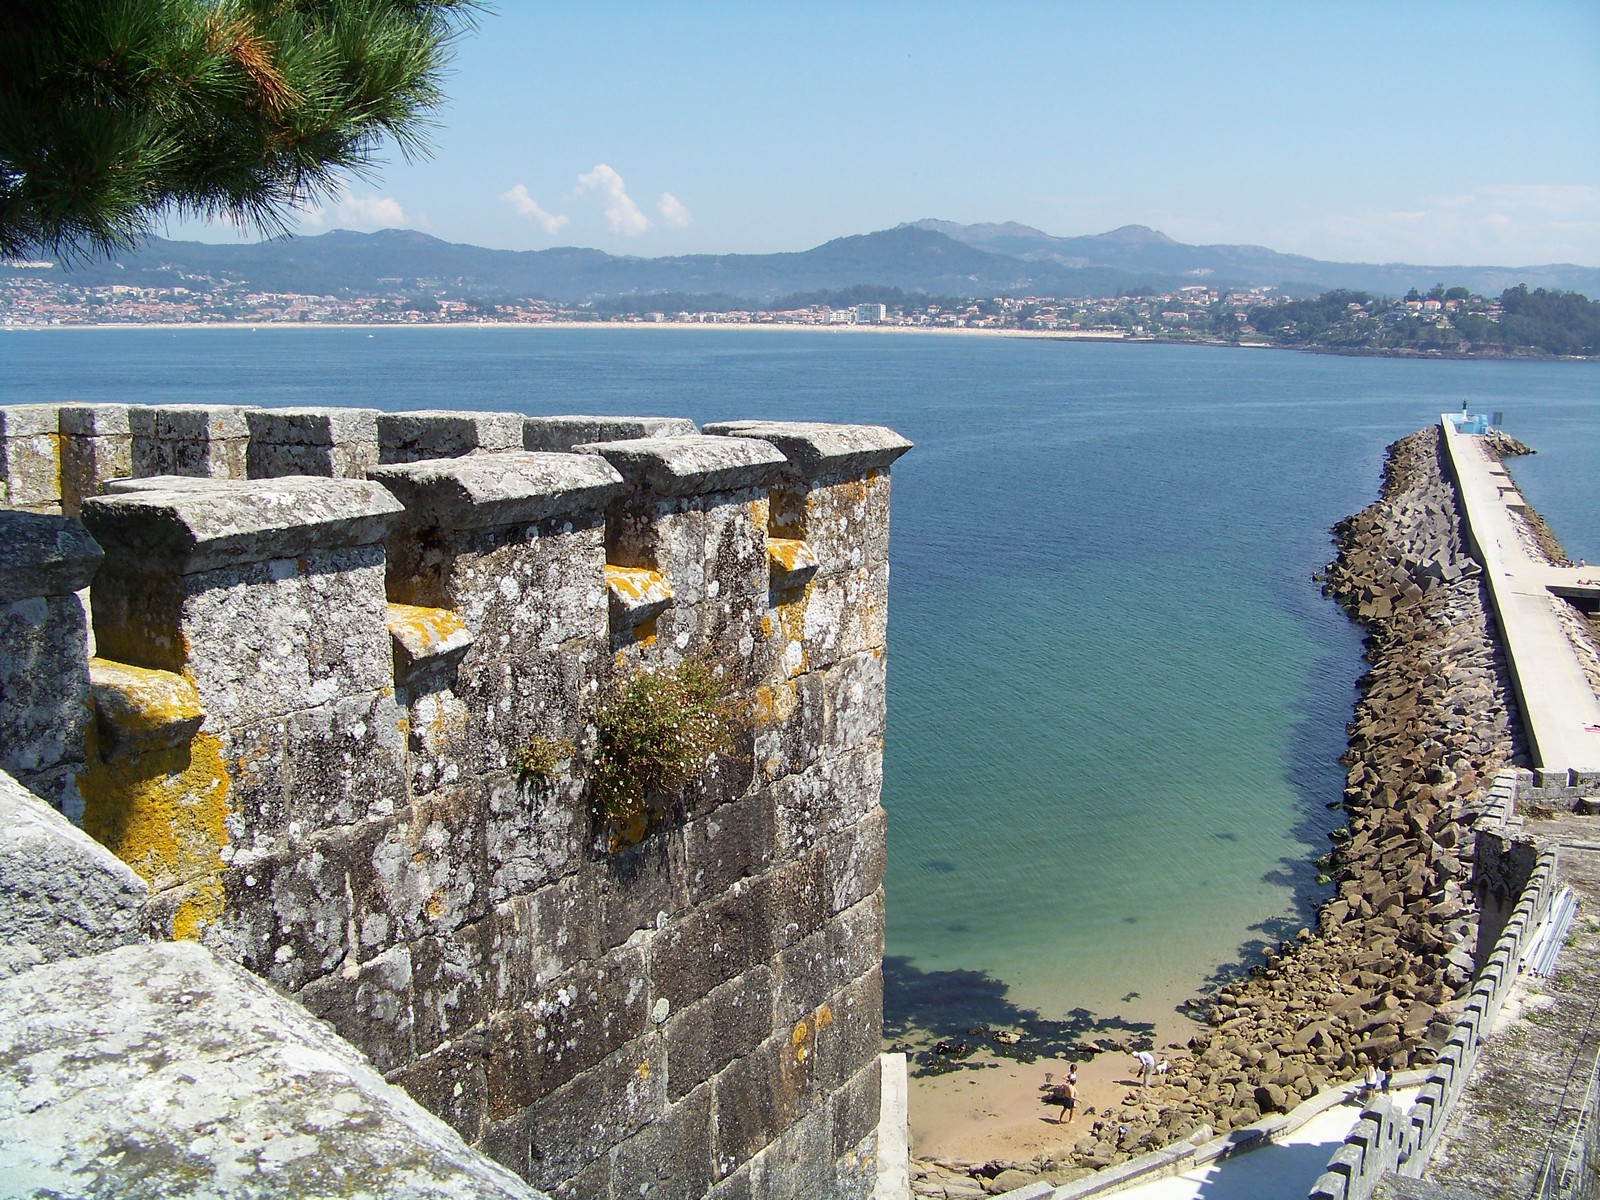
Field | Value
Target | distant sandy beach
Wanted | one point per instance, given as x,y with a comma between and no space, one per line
996,1110
174,326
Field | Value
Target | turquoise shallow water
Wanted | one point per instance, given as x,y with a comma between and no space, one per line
1117,699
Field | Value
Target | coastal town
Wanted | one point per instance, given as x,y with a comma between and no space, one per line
1441,321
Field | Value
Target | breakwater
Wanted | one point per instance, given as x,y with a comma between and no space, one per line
1379,977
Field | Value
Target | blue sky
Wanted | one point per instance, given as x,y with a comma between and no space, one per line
1440,133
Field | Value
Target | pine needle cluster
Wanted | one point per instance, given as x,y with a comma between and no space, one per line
117,113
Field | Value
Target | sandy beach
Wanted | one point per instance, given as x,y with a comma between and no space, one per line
993,1108
843,330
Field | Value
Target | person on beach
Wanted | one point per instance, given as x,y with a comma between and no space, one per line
1067,1096
1147,1065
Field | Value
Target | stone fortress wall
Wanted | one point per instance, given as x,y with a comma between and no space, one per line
321,641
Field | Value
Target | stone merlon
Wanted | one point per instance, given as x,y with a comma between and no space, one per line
691,466
565,432
44,556
499,489
814,448
202,525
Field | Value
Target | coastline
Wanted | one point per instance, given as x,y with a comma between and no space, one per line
1381,972
1056,335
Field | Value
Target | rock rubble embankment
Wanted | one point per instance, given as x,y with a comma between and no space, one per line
1391,950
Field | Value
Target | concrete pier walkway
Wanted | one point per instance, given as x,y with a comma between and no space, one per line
1560,713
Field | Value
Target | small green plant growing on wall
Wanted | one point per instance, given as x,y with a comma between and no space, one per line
536,761
657,731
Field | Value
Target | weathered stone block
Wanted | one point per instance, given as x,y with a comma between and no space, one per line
792,902
854,703
499,490
578,1123
286,916
30,456
44,555
449,1082
845,615
709,946
371,1009
856,1111
167,528
62,894
748,1111
445,433
422,873
340,443
44,687
450,977
210,441
578,1019
137,710
534,834
729,843
849,1031
732,1021
641,887
96,445
669,1159
814,448
565,432
538,937
799,1165
856,860
428,647
220,1061
690,466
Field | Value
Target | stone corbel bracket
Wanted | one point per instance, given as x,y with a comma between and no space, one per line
429,644
138,710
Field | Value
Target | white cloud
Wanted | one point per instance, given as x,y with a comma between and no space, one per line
1512,225
622,214
526,206
352,211
673,212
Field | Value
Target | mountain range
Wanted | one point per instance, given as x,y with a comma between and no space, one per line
938,258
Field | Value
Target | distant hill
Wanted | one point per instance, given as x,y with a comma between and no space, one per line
933,257
1141,249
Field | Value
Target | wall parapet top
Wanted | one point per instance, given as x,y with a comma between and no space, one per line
445,433
44,555
27,420
815,448
200,525
565,432
691,466
95,420
189,420
499,489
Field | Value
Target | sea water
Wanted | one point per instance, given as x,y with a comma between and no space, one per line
1116,696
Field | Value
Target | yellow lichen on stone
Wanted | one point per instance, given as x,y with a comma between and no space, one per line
637,585
164,813
423,631
824,1017
802,1041
643,1070
777,702
138,706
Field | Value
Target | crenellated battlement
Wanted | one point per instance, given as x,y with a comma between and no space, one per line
322,639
